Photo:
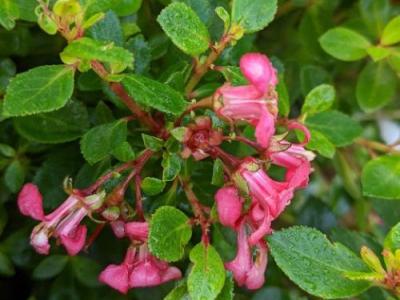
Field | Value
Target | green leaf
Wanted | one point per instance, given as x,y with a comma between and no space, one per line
339,128
86,50
60,126
381,177
283,94
319,99
152,93
152,142
178,293
378,53
7,150
124,152
312,76
227,290
319,142
14,176
307,257
101,140
169,233
3,218
27,10
392,239
9,12
140,47
152,186
41,89
107,30
86,270
6,266
50,267
234,75
391,33
394,59
218,173
253,15
207,276
184,28
375,14
7,71
126,7
376,86
172,165
344,44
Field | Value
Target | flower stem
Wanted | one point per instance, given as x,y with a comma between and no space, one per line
373,145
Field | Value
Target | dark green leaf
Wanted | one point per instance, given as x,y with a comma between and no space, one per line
344,44
126,7
152,186
50,267
312,76
6,266
218,173
124,152
101,140
107,30
7,150
184,28
375,14
41,89
381,177
7,70
207,277
63,125
376,86
253,15
86,270
339,128
154,94
321,143
169,233
141,49
152,142
313,263
14,176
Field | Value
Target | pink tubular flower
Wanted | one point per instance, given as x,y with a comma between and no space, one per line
229,205
253,102
139,269
247,271
63,223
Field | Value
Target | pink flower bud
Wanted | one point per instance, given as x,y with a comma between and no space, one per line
137,230
118,227
257,68
30,202
229,205
40,240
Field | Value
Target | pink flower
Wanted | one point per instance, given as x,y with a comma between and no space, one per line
63,223
229,205
137,230
200,138
30,202
139,269
247,271
118,227
257,68
117,276
252,103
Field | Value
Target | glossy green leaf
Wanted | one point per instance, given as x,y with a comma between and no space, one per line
207,277
60,126
172,164
124,152
391,33
378,53
184,28
376,86
253,15
375,14
319,99
169,233
101,140
50,267
152,93
41,89
87,49
152,186
319,142
344,44
338,128
307,257
152,142
381,177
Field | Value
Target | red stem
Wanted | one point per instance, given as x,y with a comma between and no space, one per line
138,194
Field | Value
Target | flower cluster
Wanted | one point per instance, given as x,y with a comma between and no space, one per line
249,200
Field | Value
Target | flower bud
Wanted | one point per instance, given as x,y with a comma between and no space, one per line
372,261
229,205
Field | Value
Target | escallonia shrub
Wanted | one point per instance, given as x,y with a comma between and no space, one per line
187,163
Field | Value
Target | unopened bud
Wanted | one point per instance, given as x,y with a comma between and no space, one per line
67,8
111,213
370,258
47,24
95,201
